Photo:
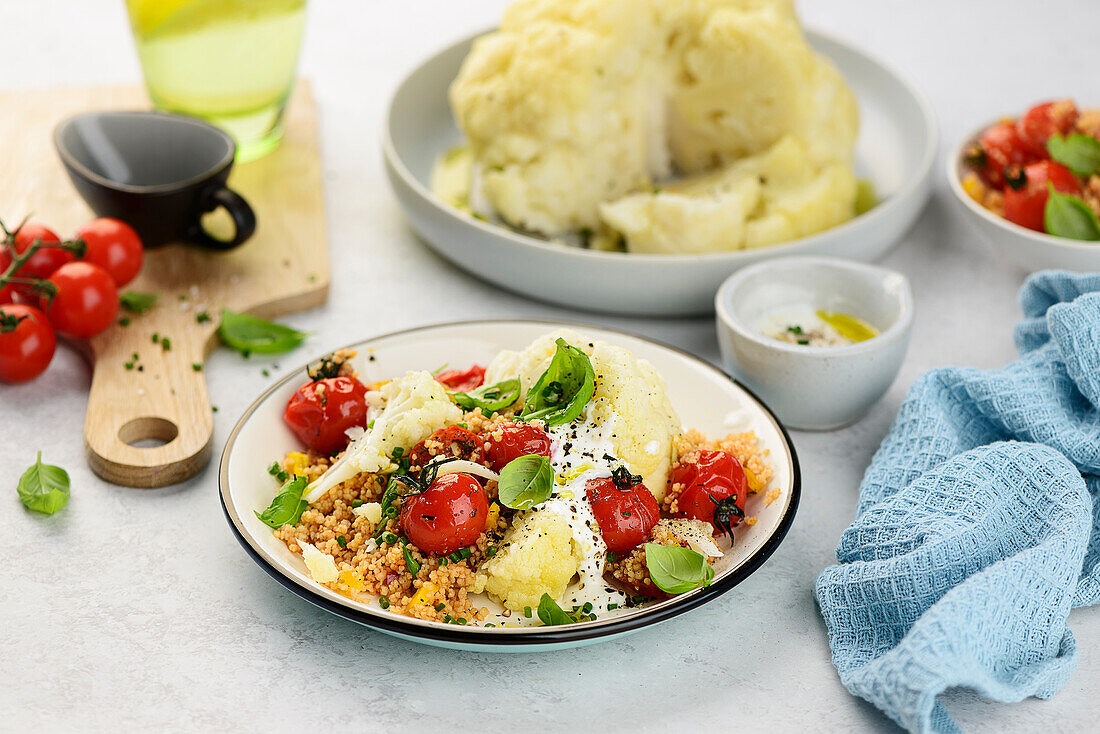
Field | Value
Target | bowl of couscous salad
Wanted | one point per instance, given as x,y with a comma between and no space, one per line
509,485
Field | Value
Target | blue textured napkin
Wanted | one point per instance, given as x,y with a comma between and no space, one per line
975,531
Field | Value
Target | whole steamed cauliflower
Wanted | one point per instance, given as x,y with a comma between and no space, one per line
629,393
575,106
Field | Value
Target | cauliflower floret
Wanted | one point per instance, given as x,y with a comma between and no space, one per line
629,395
538,557
575,103
415,406
777,195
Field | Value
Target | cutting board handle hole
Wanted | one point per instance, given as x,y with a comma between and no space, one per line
148,433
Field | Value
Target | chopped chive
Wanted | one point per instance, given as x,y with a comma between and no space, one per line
134,356
383,602
156,337
389,538
612,606
587,608
527,612
440,607
442,561
196,366
202,317
344,544
491,551
124,321
357,503
129,365
461,620
166,343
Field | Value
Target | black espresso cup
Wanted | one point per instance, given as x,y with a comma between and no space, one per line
160,173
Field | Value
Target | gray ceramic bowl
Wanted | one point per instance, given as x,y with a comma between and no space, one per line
817,388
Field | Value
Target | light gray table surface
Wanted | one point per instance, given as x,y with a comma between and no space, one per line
138,609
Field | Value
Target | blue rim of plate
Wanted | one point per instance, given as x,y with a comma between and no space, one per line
539,636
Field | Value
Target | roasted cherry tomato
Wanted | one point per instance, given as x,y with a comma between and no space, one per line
27,342
462,380
512,440
624,509
714,489
446,516
320,412
44,262
1000,146
114,246
449,441
86,300
1026,191
1043,120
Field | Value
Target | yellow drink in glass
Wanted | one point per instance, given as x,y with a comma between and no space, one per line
231,62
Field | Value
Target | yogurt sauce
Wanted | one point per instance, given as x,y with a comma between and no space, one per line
578,451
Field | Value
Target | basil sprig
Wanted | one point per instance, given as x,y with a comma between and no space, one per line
550,613
288,505
1068,216
137,302
525,482
489,397
675,569
248,334
1078,152
563,390
44,488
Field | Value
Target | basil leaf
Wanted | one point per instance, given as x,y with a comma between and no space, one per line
288,505
1068,216
675,569
136,302
44,488
249,334
1079,153
550,613
489,397
563,390
525,482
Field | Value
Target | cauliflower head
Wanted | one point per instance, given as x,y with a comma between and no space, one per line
572,104
415,406
630,398
771,197
538,557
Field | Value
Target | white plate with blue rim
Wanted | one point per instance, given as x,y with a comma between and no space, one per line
704,396
896,149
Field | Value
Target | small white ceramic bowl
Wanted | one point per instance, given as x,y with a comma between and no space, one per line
815,388
896,150
1025,248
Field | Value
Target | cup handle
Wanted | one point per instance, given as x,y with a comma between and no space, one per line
244,219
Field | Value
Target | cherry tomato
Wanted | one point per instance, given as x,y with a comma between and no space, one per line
27,342
462,380
114,246
513,440
625,512
44,262
320,412
1025,205
1043,120
449,441
1001,147
446,516
7,291
714,489
86,300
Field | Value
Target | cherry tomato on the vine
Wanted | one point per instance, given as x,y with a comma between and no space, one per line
321,412
462,380
448,515
512,440
27,342
44,262
114,246
86,300
714,489
1026,192
626,511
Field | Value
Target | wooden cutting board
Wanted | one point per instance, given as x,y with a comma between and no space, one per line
152,425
